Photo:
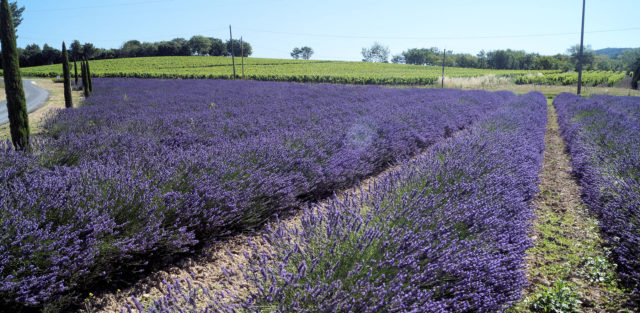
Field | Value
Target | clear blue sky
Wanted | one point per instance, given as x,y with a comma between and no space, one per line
338,30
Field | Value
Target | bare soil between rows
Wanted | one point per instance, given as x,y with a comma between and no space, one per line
205,267
565,233
558,204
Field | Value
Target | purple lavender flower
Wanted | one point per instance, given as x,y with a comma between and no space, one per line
149,168
603,137
447,233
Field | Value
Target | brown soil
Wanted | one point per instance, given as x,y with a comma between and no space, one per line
55,102
565,234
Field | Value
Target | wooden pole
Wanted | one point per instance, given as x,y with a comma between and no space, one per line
233,61
242,55
444,57
580,53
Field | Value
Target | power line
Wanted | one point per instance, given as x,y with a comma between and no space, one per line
435,38
169,37
100,6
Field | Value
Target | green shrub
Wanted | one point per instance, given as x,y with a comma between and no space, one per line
559,298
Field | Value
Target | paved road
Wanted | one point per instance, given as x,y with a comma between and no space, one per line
36,97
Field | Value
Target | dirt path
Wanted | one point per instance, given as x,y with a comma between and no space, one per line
569,260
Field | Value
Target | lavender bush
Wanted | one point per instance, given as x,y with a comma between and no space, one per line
603,137
448,233
149,168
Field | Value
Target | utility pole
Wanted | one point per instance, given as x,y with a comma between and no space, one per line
444,57
580,53
242,55
233,61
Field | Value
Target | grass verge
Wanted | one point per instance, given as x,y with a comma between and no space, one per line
56,101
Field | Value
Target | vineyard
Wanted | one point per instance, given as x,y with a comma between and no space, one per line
589,78
275,70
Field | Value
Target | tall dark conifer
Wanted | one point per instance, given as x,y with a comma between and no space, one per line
68,102
89,75
85,80
75,69
636,75
16,103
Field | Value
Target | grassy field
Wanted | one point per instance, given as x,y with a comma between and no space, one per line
276,70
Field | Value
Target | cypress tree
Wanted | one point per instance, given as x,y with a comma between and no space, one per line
75,69
16,103
68,102
89,76
85,81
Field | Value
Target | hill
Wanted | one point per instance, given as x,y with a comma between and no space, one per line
611,52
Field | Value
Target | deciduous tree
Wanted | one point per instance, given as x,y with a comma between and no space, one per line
588,56
306,52
295,53
199,45
51,55
131,49
76,50
88,50
377,53
422,56
236,48
31,55
218,47
398,59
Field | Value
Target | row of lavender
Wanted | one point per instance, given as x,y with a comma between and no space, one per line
603,137
149,168
446,233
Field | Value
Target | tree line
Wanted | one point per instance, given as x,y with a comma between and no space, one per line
520,60
33,55
506,59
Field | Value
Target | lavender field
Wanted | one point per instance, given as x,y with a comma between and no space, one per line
446,233
147,169
603,136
